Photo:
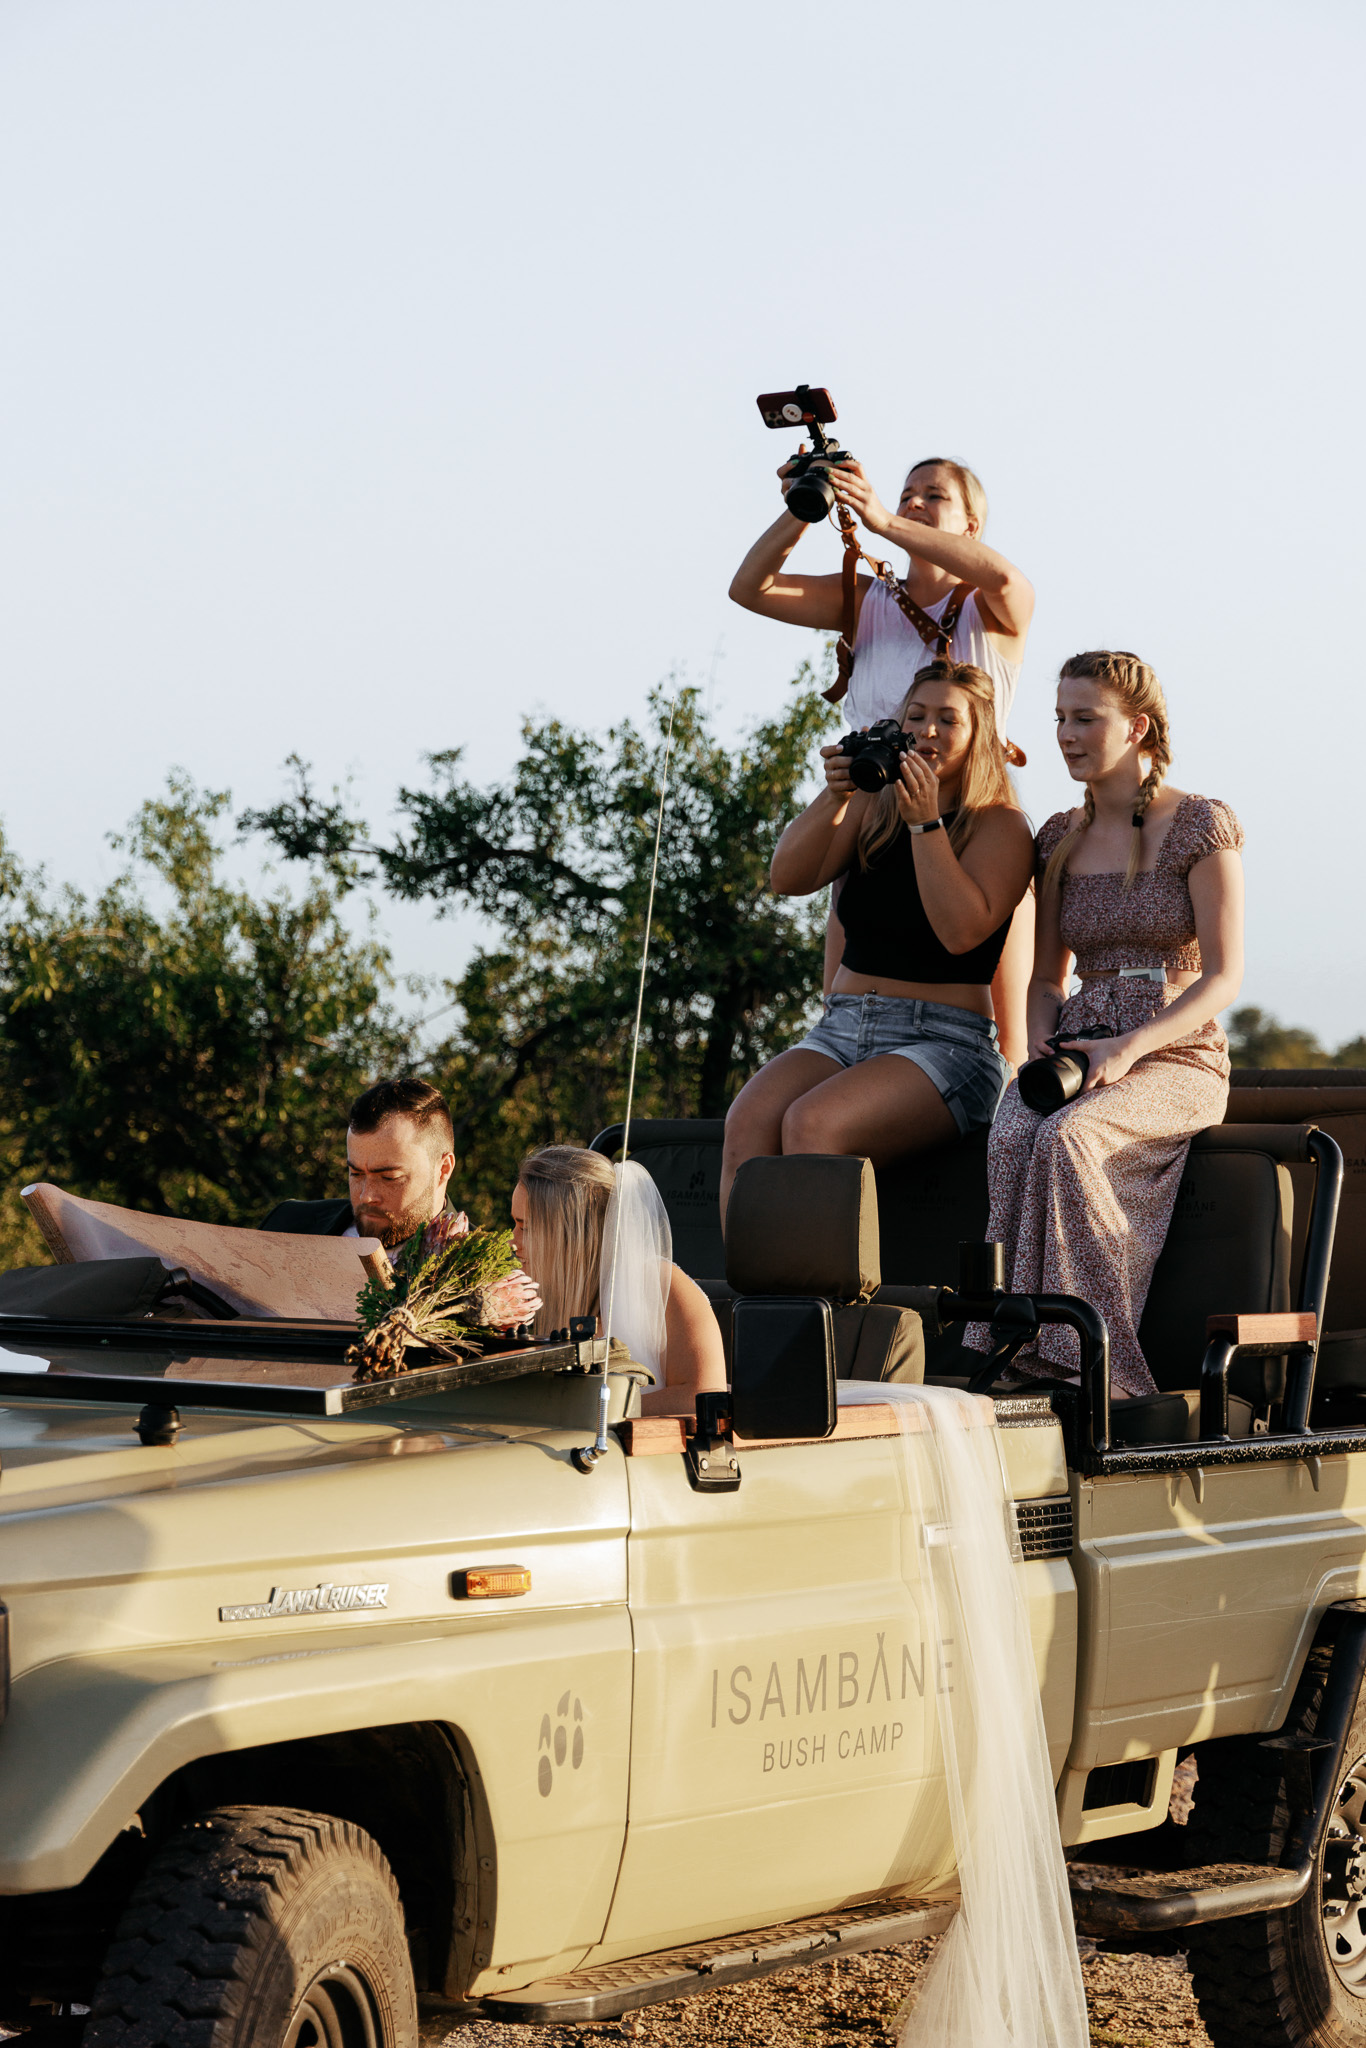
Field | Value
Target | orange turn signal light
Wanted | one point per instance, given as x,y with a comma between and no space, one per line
490,1582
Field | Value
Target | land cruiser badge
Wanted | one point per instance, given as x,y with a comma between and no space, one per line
324,1599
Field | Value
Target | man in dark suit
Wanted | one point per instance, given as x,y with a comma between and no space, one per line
400,1153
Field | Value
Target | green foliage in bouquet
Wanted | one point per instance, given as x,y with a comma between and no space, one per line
453,1290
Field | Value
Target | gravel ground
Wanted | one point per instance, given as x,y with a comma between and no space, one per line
1135,2001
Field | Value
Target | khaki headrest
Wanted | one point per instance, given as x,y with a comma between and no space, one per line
804,1225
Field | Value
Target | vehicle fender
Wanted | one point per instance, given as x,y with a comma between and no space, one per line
88,1740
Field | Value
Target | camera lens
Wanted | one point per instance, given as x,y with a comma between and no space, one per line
873,769
1046,1084
810,497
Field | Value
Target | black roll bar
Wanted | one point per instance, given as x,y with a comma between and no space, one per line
1318,1258
1073,1314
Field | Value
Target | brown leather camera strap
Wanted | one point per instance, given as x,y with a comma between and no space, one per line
936,633
844,646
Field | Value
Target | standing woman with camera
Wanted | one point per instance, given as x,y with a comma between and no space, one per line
906,1055
959,600
1143,887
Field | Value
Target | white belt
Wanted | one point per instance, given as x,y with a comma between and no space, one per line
1124,974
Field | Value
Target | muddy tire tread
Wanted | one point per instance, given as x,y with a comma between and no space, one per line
178,1968
1248,1975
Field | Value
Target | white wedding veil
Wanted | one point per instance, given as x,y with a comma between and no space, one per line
1006,1974
637,1267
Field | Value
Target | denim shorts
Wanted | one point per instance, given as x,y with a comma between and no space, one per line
956,1048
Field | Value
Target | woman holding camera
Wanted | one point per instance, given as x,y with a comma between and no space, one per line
958,600
1143,887
938,522
933,867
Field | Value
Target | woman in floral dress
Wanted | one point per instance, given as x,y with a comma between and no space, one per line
1141,877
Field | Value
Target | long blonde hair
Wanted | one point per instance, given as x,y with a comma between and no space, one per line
567,1192
968,482
984,782
1138,690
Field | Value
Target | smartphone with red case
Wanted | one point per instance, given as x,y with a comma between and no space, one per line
789,409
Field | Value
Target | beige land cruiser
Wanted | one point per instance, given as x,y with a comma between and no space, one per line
323,1696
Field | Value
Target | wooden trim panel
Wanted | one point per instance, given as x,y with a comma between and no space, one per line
1285,1327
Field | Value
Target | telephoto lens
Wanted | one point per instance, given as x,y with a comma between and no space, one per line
1046,1084
811,497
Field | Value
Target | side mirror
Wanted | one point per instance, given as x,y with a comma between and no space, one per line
782,1368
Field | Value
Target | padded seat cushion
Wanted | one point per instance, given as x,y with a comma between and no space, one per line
1170,1419
1227,1251
683,1158
929,1204
873,1341
1341,1361
807,1224
1335,1100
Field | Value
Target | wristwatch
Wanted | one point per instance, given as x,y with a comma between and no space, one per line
930,825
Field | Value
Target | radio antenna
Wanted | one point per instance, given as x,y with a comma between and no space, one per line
585,1456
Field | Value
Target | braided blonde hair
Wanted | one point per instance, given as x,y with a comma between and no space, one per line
984,782
1138,691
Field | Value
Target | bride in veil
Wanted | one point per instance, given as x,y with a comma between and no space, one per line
597,1240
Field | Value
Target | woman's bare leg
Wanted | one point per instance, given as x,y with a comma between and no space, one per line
754,1122
880,1110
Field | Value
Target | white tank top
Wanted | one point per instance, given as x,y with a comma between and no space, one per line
888,651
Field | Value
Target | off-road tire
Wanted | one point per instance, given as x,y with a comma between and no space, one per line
1267,1981
260,1927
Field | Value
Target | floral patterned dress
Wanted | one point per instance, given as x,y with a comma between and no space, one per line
1082,1199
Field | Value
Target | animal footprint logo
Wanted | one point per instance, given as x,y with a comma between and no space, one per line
557,1743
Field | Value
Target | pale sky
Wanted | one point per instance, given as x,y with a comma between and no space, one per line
379,371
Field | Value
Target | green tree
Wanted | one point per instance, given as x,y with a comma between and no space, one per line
196,1060
1257,1039
558,860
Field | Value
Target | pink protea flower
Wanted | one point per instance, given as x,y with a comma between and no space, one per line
441,1231
505,1303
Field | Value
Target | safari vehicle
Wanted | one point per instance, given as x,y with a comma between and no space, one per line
324,1696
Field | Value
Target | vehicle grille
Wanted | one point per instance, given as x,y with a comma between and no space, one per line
1045,1526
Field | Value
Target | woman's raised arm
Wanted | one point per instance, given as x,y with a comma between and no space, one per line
819,845
762,585
1005,595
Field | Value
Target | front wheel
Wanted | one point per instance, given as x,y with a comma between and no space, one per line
260,1927
1295,1979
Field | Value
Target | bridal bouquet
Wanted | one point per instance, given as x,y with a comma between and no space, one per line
452,1289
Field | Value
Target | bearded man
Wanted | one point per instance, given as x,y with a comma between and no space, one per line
400,1153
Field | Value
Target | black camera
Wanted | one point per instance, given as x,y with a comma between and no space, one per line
809,494
875,756
1046,1084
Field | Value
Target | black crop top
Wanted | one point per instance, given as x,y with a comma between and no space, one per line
887,933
